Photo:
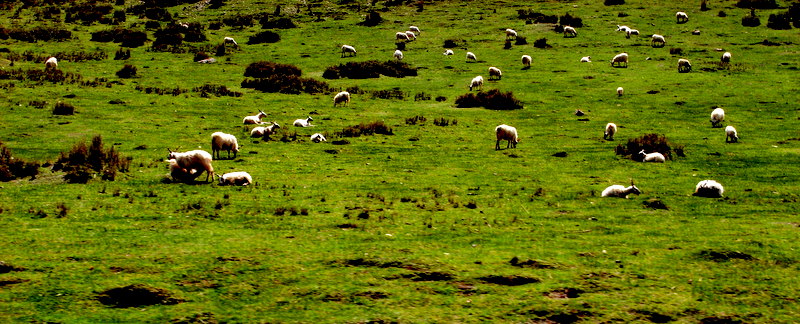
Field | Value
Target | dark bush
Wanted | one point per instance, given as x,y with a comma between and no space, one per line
569,20
521,41
444,122
240,21
122,54
676,51
291,84
613,2
86,13
280,23
757,4
372,19
264,37
63,108
377,127
416,120
39,34
264,69
14,168
119,17
535,17
216,90
649,143
492,99
127,38
216,4
166,38
127,71
541,43
85,162
152,25
158,14
722,14
794,14
453,43
369,69
507,45
751,20
779,21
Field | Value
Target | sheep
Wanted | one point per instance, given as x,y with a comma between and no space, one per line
341,98
230,41
180,174
223,142
526,61
401,37
348,50
240,178
193,162
652,157
471,57
448,52
506,133
317,137
726,57
477,82
708,189
264,132
398,55
620,91
620,59
51,63
303,122
411,36
631,32
495,73
658,40
623,29
570,32
621,191
414,29
717,117
511,34
586,59
684,66
609,132
255,119
730,135
681,17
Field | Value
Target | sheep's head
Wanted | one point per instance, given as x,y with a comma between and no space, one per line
171,155
634,190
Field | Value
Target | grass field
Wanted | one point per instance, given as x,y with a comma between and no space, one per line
430,224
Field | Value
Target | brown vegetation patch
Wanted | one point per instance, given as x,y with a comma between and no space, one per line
535,264
84,162
12,281
655,203
723,255
377,127
6,268
369,69
14,168
649,143
565,293
654,317
509,280
429,276
136,295
493,99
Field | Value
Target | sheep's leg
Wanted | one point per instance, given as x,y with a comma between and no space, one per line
497,145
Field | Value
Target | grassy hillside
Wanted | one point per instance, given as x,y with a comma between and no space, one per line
430,224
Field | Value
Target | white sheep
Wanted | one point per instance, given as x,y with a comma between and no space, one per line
348,50
223,142
717,117
265,132
658,40
398,55
708,189
586,59
471,57
411,36
631,32
620,91
681,17
317,137
193,162
726,57
240,178
495,73
401,37
621,191
303,122
448,52
620,59
511,34
570,31
609,132
477,82
623,29
526,61
684,66
506,133
341,98
51,63
255,119
415,29
730,135
230,41
652,157
179,174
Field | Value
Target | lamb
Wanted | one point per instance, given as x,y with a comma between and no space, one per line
230,41
658,40
681,17
631,32
621,191
586,59
317,137
620,59
223,142
495,73
415,29
265,132
526,61
348,50
303,122
620,91
471,57
240,178
51,63
623,29
730,135
708,189
255,119
570,31
652,157
401,37
611,129
448,52
511,34
726,57
411,36
192,163
717,117
506,133
477,82
341,98
684,66
179,174
398,55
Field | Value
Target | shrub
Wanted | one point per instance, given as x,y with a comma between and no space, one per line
369,69
373,19
157,14
794,14
280,23
535,17
217,90
122,54
613,2
722,14
291,84
492,99
377,127
649,143
38,34
64,109
453,43
541,43
166,38
569,20
87,13
265,69
779,21
415,120
704,5
85,162
264,37
676,51
127,71
14,168
757,4
751,20
521,41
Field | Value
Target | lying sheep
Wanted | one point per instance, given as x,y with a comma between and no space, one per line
192,163
730,135
570,31
586,59
684,66
255,119
658,41
348,50
398,55
51,63
620,59
341,98
506,133
471,57
620,91
448,52
717,117
317,137
526,61
708,189
240,178
495,73
223,142
477,82
609,132
265,132
652,157
303,122
621,191
681,17
511,34
726,57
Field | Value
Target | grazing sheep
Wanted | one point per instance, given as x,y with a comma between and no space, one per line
684,66
398,55
495,73
726,57
415,29
708,189
303,122
341,98
51,63
255,119
506,133
620,91
623,29
586,59
717,117
192,163
411,36
240,178
570,32
317,137
348,50
621,191
230,41
730,135
511,34
223,142
179,174
609,132
401,37
448,52
681,17
652,157
264,132
631,32
471,57
620,59
477,82
526,61
658,40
